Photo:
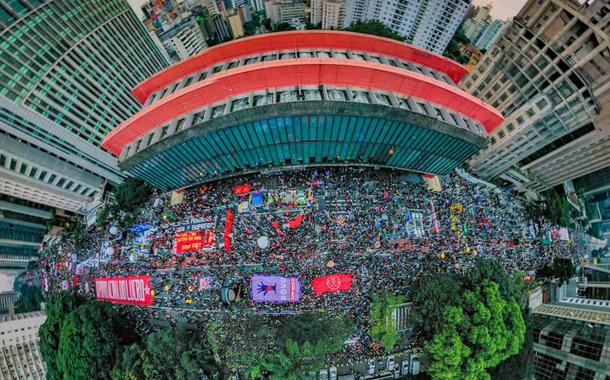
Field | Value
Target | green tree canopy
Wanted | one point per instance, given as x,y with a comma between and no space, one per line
177,354
317,327
132,194
375,28
383,328
561,270
295,362
30,298
88,342
284,26
486,330
129,364
558,209
58,306
430,298
511,286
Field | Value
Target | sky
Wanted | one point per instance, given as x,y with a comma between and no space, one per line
502,9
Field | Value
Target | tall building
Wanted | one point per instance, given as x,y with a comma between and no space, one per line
236,25
490,34
329,14
429,24
379,102
473,27
292,12
66,70
183,39
549,75
20,356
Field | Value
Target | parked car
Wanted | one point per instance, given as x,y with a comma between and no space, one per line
414,364
323,374
404,367
333,373
390,363
371,366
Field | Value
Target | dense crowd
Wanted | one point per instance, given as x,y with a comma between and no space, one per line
386,228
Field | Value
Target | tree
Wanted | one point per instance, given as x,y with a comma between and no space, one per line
511,286
57,308
232,343
284,26
383,328
430,299
132,194
177,354
453,48
295,361
486,330
129,365
30,298
561,270
558,209
519,366
375,28
317,327
88,343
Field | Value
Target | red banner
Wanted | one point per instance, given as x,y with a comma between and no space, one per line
332,283
132,290
242,189
193,240
228,230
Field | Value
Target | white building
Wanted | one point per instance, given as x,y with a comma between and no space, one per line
429,24
490,34
20,356
183,39
293,12
328,13
549,74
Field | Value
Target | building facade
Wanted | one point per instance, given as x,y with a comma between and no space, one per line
183,40
330,14
490,34
301,98
429,24
66,70
292,12
7,302
20,356
548,73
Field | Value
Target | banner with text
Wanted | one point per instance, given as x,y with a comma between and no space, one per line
332,283
275,288
132,290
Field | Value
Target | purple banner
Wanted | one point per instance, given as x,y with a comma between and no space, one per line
275,288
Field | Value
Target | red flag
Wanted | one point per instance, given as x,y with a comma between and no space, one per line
228,230
332,283
294,223
276,225
242,189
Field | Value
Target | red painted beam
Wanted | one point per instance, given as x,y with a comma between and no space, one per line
276,74
321,39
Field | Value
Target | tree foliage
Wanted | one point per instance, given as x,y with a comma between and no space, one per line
295,361
486,268
30,298
430,298
88,342
383,328
132,194
453,48
558,209
58,306
129,365
375,28
176,354
486,330
561,269
284,26
316,327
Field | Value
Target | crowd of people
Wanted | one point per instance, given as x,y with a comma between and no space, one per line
388,229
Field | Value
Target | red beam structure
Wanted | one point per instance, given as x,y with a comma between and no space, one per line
290,41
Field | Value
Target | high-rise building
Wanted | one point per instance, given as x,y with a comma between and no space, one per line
292,12
257,5
429,24
236,25
20,356
183,39
328,13
66,71
549,75
378,102
490,34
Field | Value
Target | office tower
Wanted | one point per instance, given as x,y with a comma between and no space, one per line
292,12
183,39
490,34
400,108
7,302
67,70
257,5
328,13
236,25
473,27
548,73
20,356
429,24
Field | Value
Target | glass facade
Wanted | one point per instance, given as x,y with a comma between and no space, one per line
301,140
75,62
